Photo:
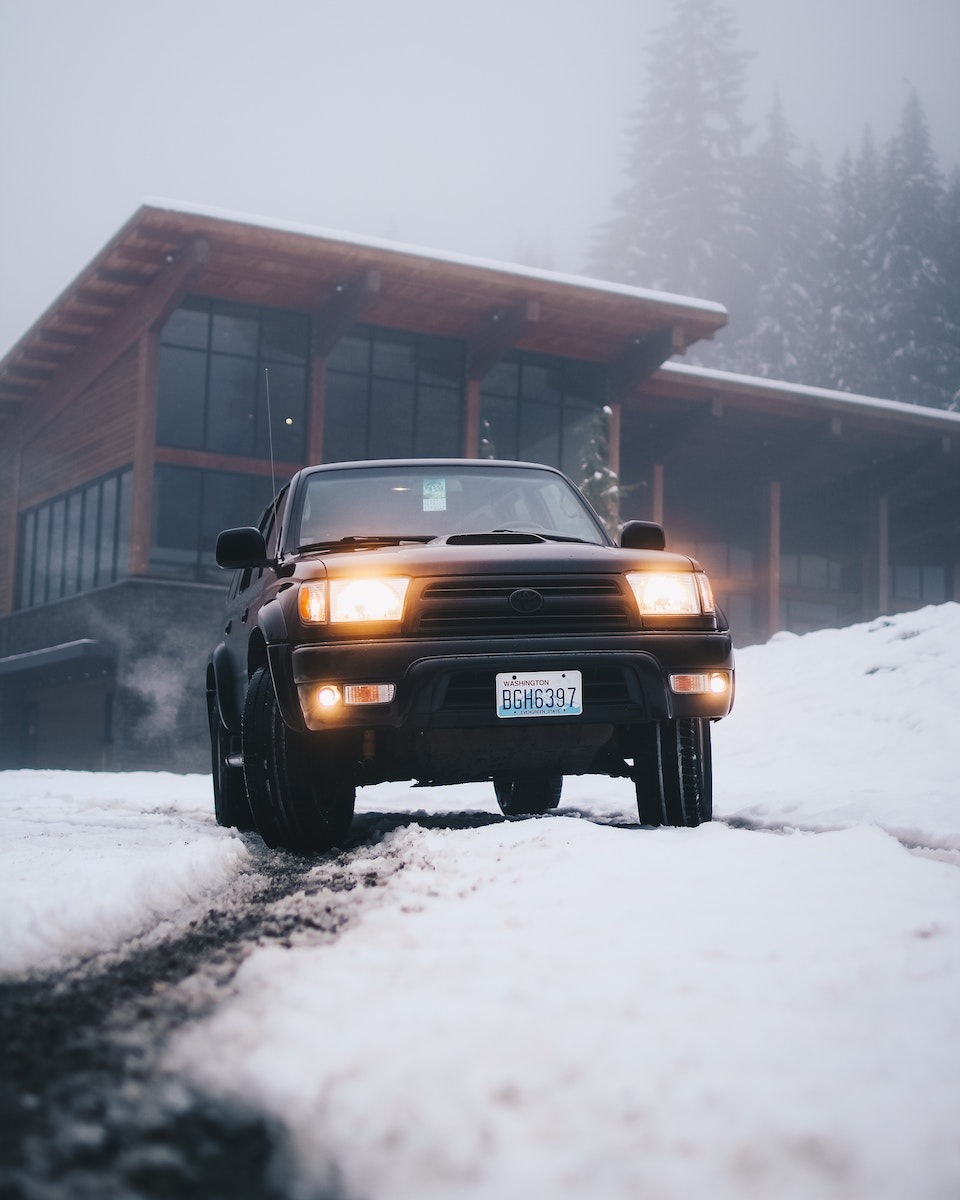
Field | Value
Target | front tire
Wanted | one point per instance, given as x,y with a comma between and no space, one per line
230,803
527,794
299,801
673,772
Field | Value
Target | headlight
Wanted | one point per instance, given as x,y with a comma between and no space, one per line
367,599
671,593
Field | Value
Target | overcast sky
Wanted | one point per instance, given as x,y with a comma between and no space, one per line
480,128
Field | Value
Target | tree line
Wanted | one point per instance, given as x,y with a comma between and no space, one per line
847,280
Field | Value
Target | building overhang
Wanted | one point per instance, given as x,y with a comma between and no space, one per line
165,250
80,659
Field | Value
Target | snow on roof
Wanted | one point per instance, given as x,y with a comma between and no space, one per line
445,256
757,383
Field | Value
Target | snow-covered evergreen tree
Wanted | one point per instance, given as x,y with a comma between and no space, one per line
917,337
852,283
784,203
678,224
949,259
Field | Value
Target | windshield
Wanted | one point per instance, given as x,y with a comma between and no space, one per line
425,501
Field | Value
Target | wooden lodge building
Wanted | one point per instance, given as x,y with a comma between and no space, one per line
133,427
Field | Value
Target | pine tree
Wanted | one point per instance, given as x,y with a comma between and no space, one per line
949,259
852,281
677,226
916,336
779,336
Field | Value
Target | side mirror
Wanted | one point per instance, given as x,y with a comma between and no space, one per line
643,535
238,549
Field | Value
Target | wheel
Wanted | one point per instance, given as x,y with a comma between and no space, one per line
299,802
673,772
230,801
527,794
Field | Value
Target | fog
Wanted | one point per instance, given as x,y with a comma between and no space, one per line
495,130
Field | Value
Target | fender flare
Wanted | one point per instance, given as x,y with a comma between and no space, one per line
226,695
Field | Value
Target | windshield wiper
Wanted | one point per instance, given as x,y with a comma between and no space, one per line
364,541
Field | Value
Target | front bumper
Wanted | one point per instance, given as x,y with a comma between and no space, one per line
450,683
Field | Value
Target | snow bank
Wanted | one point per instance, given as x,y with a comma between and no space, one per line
88,860
560,1009
849,726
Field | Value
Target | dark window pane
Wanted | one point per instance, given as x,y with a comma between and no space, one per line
288,392
394,355
539,433
438,422
188,326
498,427
123,525
71,557
227,502
503,378
88,540
58,521
40,595
351,353
440,361
235,329
584,439
284,337
28,532
108,532
176,521
232,406
584,381
540,381
391,419
180,398
934,585
345,418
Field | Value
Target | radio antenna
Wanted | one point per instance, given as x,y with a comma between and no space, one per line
273,469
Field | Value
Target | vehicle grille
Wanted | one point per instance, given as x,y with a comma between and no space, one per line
458,607
475,691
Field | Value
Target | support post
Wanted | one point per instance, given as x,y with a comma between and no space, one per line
145,438
772,571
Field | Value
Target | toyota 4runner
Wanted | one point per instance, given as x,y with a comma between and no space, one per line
449,621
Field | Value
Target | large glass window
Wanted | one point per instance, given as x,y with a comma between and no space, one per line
190,507
544,409
390,394
216,361
77,541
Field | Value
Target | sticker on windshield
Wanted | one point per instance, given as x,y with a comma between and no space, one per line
434,495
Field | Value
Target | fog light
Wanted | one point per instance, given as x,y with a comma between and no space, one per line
369,693
715,683
328,696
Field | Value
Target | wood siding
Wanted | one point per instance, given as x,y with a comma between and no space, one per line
93,435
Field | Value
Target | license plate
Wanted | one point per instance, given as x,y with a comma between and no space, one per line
540,694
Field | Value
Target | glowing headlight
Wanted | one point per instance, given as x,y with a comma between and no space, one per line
367,599
670,593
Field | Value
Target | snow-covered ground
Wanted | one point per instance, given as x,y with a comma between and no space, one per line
572,1006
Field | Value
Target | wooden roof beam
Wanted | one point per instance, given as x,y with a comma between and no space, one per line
498,334
350,301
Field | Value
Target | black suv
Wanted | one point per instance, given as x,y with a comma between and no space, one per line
456,620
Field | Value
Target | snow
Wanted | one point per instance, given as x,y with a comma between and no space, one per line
766,1006
829,397
448,256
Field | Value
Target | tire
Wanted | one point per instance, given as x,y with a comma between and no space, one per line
527,794
298,801
230,803
673,772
